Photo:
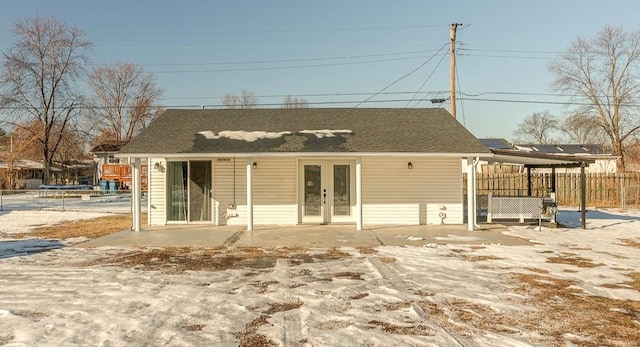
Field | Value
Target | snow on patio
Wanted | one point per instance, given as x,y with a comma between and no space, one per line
571,286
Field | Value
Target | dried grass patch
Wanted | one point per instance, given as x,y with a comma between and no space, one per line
631,243
34,315
573,260
560,315
420,330
175,260
6,339
359,296
394,306
334,325
366,250
421,292
346,274
262,287
283,306
388,260
89,228
476,258
563,309
536,270
249,337
193,327
635,283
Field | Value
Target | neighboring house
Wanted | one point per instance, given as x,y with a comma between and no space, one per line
26,174
104,154
293,166
108,167
600,160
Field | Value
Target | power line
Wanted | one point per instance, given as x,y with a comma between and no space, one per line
507,56
570,103
464,119
346,102
289,60
405,76
425,81
285,67
275,31
299,95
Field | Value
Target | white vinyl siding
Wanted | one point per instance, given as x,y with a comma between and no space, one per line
274,191
391,192
394,194
224,191
157,192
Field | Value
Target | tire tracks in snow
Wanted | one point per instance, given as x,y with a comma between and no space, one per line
390,275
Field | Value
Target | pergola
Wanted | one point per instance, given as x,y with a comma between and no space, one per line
550,161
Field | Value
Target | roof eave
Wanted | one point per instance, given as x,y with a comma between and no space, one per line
301,154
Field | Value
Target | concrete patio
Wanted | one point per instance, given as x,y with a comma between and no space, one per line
306,236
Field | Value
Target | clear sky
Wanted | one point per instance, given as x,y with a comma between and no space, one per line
337,53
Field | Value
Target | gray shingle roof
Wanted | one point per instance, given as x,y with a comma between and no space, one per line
387,130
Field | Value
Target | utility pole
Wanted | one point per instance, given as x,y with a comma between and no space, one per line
452,35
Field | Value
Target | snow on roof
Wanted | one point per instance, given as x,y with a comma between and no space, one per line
325,132
23,164
248,136
252,136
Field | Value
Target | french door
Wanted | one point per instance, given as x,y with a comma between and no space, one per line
189,191
326,191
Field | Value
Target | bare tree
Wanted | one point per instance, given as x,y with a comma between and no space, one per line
125,100
536,128
38,80
601,75
583,129
294,102
246,100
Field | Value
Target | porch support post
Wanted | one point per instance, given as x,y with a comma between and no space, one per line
583,195
249,194
471,193
136,194
528,181
358,211
553,179
148,191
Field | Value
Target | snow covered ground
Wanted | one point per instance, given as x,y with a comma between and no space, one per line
569,287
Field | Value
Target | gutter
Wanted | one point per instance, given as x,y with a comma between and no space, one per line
302,154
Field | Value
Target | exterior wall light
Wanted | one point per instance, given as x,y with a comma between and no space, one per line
410,165
158,166
255,165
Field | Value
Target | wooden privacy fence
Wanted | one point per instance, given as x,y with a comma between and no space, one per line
604,190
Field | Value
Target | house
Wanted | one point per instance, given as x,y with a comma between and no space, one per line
313,165
110,168
104,154
22,174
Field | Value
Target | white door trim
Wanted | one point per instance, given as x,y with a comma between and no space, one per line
326,192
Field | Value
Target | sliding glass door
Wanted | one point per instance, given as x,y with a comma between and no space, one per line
189,191
177,193
200,191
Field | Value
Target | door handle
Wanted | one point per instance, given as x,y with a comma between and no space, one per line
324,196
